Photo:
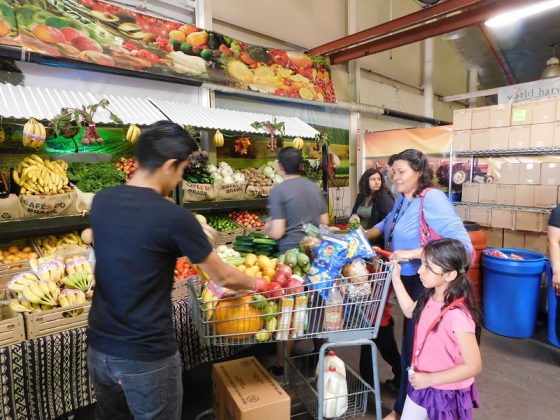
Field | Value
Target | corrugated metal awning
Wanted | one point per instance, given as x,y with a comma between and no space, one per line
44,103
226,119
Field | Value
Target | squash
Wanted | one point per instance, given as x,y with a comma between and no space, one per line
237,316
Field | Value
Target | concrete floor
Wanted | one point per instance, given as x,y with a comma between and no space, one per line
521,378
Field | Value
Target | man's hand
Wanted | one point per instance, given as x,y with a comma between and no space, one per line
556,283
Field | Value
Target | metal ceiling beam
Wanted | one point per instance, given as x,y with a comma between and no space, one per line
399,24
438,27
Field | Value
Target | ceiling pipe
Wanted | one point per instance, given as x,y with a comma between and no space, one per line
342,105
399,24
429,30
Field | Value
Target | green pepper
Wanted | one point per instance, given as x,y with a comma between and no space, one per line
206,54
186,48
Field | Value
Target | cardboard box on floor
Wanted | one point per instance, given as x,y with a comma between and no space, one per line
244,390
494,237
514,239
536,242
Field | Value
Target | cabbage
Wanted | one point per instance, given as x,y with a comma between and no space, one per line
268,172
277,179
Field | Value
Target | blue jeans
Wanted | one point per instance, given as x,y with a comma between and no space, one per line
414,287
127,389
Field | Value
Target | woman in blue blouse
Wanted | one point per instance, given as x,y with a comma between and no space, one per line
401,229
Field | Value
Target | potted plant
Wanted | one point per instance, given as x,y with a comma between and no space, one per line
70,121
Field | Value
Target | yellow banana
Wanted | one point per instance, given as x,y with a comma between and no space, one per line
218,139
63,301
16,306
15,176
31,296
53,289
297,143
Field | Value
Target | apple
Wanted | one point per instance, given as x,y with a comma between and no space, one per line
273,290
285,269
261,285
280,278
294,286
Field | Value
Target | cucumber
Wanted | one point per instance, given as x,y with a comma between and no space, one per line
264,241
243,249
244,239
259,235
234,260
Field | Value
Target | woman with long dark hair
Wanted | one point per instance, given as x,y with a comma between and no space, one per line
412,178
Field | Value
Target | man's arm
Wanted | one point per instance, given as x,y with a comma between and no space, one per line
553,238
225,275
324,220
276,228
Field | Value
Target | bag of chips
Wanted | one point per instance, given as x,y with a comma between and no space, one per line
358,245
330,257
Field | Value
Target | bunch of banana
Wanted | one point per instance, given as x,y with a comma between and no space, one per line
80,280
17,306
53,243
44,293
37,176
21,280
48,269
210,301
70,297
133,133
218,139
2,135
297,143
34,134
77,264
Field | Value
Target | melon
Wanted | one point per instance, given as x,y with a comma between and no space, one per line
237,317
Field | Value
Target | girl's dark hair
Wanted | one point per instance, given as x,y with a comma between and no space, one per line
419,163
291,160
161,141
365,194
450,255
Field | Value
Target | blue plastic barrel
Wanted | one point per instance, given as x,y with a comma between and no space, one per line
511,292
552,310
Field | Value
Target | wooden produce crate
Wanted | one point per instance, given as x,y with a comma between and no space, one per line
249,230
40,324
12,327
229,238
14,267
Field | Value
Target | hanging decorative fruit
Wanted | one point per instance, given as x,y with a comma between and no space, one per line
218,139
242,145
297,143
133,133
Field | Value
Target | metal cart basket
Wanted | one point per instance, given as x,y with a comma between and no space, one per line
345,312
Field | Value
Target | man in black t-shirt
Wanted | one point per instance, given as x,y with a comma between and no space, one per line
133,357
554,256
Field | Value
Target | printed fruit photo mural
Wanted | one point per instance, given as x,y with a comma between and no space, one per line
113,36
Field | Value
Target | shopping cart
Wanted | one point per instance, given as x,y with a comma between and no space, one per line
345,312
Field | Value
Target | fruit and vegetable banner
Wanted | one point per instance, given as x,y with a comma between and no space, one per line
113,36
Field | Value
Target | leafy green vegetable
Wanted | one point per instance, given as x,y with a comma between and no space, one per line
258,54
320,60
93,177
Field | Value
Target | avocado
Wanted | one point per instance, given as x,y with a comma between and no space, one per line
291,258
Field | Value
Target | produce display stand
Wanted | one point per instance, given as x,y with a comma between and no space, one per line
46,377
352,321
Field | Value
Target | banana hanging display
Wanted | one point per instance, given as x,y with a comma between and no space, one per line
133,133
218,139
34,134
297,143
36,176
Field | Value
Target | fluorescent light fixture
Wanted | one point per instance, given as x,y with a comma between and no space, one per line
513,16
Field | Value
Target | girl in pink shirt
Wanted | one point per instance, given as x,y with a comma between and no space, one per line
446,357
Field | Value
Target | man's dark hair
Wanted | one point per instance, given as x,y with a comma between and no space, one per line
291,160
161,141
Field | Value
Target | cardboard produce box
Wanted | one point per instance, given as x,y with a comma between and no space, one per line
462,212
556,135
462,119
528,221
480,118
536,242
487,193
514,239
522,113
501,219
519,137
244,390
509,173
550,173
462,141
530,173
524,195
505,195
498,138
542,135
479,139
544,110
494,237
500,115
546,196
480,215
469,192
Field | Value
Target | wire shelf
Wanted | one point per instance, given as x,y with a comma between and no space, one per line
534,151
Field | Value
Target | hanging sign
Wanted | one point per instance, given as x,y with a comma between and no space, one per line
529,91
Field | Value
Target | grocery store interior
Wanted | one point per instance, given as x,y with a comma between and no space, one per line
472,85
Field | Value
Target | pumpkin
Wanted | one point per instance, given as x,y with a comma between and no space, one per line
237,316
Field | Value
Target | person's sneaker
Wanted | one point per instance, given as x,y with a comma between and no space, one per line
392,386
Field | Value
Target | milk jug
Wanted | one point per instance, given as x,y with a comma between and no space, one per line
335,394
331,359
